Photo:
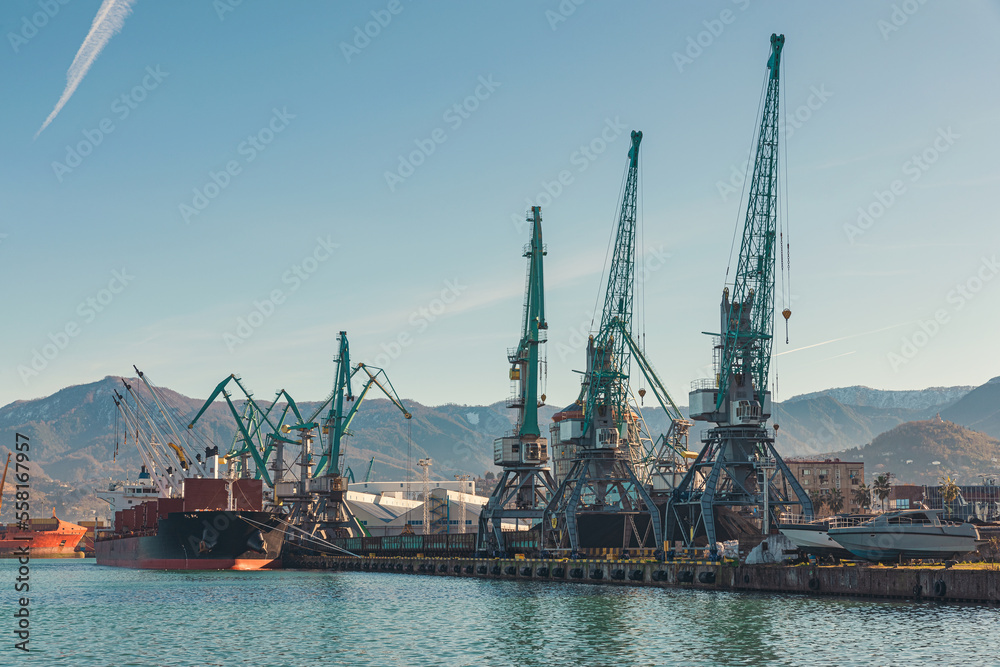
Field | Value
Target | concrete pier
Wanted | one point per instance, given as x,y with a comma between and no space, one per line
903,583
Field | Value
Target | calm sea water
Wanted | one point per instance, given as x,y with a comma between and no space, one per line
83,615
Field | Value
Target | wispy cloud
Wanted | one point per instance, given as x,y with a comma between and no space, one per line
109,21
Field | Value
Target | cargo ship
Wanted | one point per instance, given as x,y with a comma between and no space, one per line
217,524
46,538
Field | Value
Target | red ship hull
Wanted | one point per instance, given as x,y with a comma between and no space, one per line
60,539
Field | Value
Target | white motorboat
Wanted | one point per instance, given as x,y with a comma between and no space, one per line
811,536
907,534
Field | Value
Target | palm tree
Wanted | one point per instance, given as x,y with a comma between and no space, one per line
949,492
818,500
835,501
862,496
881,488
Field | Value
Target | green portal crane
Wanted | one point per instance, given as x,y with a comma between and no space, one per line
604,448
738,469
525,485
337,423
748,315
319,501
257,428
608,379
525,357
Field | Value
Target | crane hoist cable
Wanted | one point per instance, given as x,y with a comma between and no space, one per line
746,182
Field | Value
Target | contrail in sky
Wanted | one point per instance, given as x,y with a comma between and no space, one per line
108,22
835,340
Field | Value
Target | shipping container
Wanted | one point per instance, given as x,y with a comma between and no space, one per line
149,516
248,494
166,506
205,494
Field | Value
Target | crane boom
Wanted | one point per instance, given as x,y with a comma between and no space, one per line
533,324
748,315
610,366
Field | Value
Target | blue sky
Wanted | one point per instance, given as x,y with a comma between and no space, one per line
245,171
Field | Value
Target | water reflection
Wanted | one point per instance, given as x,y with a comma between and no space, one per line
356,618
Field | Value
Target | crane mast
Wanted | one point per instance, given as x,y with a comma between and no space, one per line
609,366
738,469
525,485
601,437
748,317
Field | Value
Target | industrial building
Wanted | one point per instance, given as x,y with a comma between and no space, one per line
391,513
828,475
412,490
974,501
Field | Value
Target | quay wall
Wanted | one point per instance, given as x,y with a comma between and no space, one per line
946,584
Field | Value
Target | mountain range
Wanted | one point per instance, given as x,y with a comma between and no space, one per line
78,439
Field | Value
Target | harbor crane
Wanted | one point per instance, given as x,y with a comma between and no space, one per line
605,487
525,485
738,466
318,497
258,431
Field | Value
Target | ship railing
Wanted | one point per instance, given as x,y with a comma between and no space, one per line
704,383
788,517
846,521
831,521
910,521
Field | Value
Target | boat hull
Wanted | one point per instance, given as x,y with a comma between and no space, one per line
814,539
926,542
58,542
202,540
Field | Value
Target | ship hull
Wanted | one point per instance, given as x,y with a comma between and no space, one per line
201,540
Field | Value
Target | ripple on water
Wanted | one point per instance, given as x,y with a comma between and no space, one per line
84,615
